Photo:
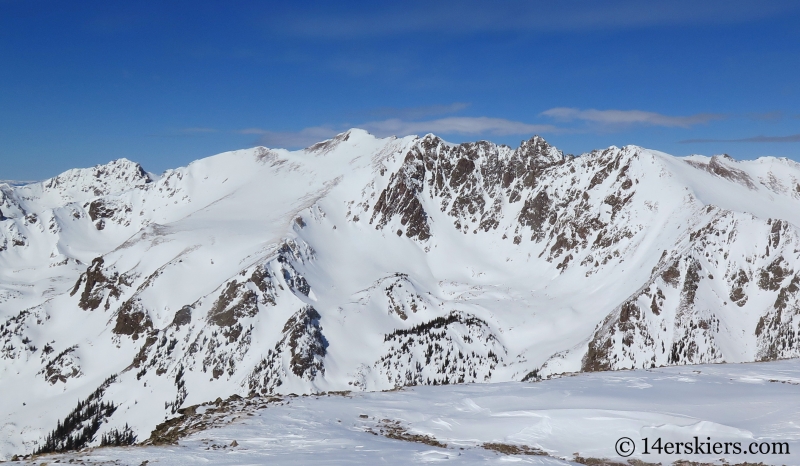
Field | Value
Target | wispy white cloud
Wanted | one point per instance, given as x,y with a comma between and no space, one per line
473,16
767,116
622,118
790,138
291,139
468,126
185,132
456,125
197,130
424,111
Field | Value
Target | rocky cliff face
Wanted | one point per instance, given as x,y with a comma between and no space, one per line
367,264
469,182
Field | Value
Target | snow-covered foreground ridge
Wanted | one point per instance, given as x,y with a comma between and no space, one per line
365,264
754,406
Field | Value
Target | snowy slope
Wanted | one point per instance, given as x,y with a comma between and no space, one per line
583,415
366,264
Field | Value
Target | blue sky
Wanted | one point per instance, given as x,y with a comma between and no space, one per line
164,83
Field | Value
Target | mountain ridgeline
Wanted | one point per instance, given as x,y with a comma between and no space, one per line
367,264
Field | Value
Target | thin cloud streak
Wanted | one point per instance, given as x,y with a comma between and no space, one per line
767,116
468,126
197,130
456,125
415,113
469,17
616,118
292,139
185,132
762,139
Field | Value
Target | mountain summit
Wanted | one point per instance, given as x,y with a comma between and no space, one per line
367,264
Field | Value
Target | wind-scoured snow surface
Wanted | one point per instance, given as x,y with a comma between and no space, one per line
557,419
367,264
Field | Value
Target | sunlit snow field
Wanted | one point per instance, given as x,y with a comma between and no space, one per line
583,414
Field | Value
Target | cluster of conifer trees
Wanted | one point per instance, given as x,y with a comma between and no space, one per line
78,429
116,438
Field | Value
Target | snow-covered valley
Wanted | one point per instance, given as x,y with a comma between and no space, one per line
365,264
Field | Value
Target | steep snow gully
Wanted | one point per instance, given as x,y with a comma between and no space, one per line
366,264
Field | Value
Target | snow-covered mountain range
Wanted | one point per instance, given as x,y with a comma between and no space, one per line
367,264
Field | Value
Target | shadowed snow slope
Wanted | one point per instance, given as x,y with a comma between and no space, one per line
367,264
